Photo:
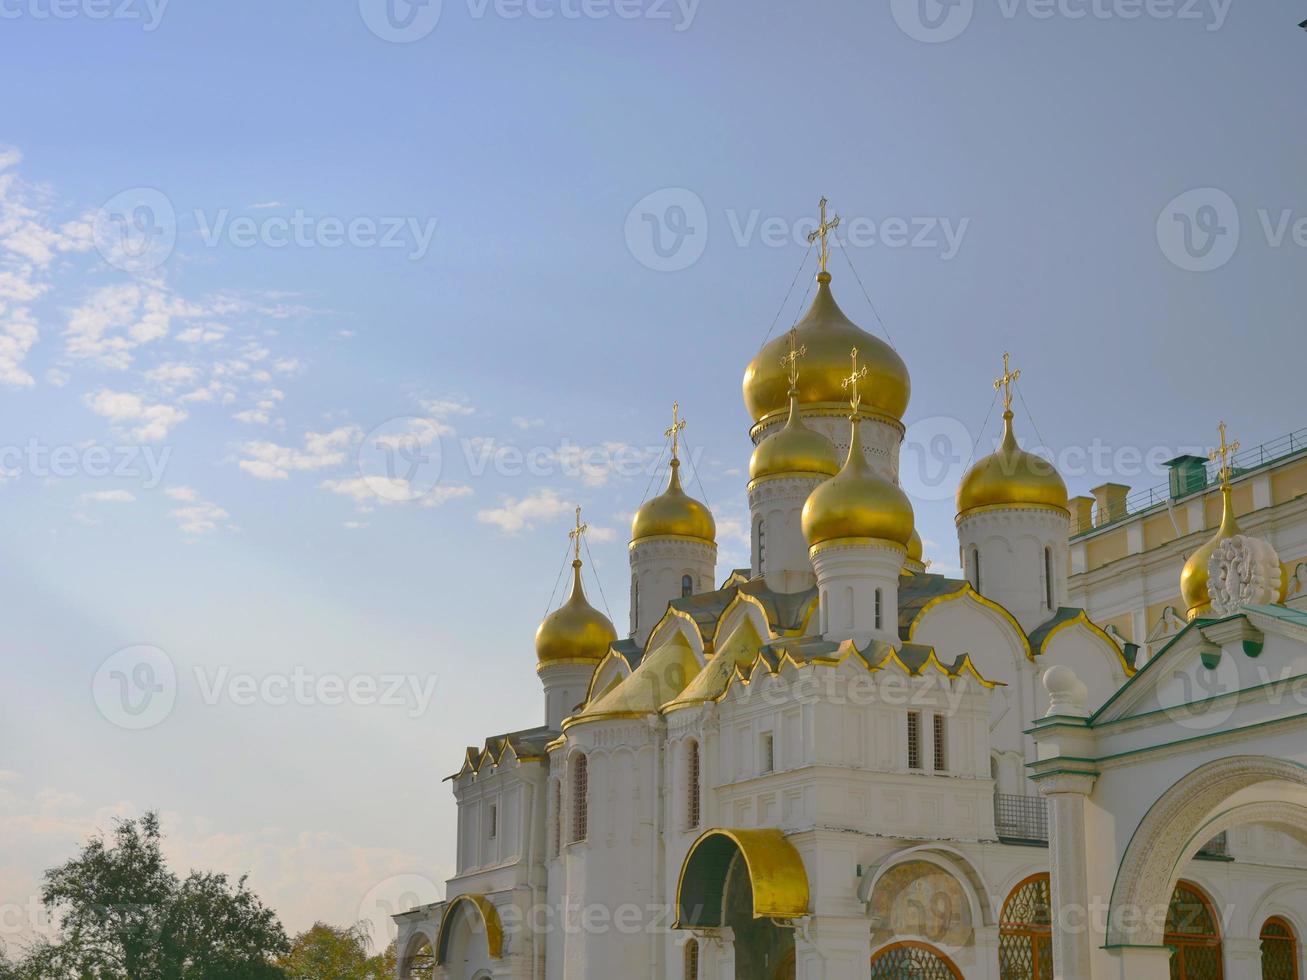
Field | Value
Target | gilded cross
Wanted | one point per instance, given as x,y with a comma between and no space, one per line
577,534
677,427
852,381
1005,383
1225,455
823,229
791,360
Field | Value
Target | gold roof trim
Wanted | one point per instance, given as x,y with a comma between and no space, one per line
668,622
967,592
740,649
741,599
932,661
662,675
599,669
486,911
776,873
1082,619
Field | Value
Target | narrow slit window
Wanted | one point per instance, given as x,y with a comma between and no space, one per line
494,821
1048,577
692,960
941,743
558,817
580,799
975,564
768,752
687,586
914,740
692,786
880,610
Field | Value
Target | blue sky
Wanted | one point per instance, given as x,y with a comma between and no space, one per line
512,160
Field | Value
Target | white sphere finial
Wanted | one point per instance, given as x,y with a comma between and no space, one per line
1067,694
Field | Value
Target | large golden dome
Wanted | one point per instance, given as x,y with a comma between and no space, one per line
674,513
1193,579
794,450
856,503
828,335
575,632
1011,477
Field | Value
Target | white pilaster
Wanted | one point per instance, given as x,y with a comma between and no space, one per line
858,583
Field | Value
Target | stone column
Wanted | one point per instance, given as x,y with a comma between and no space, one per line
1066,794
833,948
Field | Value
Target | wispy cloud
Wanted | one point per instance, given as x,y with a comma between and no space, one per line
146,422
271,461
515,515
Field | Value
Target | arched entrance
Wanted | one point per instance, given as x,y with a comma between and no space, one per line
471,937
418,961
1279,950
912,961
1025,943
1194,935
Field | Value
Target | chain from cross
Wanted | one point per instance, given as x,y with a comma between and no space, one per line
791,360
676,428
852,381
1224,454
577,534
1005,383
823,229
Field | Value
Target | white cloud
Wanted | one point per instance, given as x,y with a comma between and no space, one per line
601,534
173,373
109,496
252,416
526,423
444,407
117,319
183,493
202,517
153,422
17,335
355,525
271,461
515,515
56,377
390,490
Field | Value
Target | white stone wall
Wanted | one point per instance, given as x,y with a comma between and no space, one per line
1017,548
658,569
779,551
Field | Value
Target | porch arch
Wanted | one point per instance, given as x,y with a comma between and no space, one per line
480,913
1212,798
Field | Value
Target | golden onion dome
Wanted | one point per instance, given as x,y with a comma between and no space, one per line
1193,579
1011,477
828,335
794,450
857,503
915,562
575,632
674,513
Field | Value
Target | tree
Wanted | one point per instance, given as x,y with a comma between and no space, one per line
327,953
124,916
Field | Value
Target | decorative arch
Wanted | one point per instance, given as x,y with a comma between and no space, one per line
1193,931
674,621
1025,932
947,859
969,593
417,959
909,958
1083,621
743,607
1279,941
1180,823
774,868
480,909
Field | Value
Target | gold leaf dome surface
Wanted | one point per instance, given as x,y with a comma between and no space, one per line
794,449
674,513
856,503
1194,576
1011,477
576,631
828,335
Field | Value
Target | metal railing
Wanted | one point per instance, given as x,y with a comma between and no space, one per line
1023,818
1243,462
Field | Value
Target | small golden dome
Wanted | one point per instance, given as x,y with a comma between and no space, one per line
674,513
1193,579
575,631
916,549
1011,477
856,503
827,334
794,449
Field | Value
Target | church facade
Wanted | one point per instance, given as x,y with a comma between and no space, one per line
835,764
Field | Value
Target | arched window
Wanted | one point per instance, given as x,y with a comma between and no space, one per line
580,798
915,960
760,536
880,611
557,807
1048,577
692,785
692,960
1279,950
635,603
975,567
1193,935
1025,931
687,586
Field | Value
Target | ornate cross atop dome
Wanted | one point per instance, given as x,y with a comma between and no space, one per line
1005,383
824,228
1224,454
674,431
851,382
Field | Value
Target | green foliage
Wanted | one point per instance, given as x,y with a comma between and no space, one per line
327,953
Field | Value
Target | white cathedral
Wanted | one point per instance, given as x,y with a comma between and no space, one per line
836,764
